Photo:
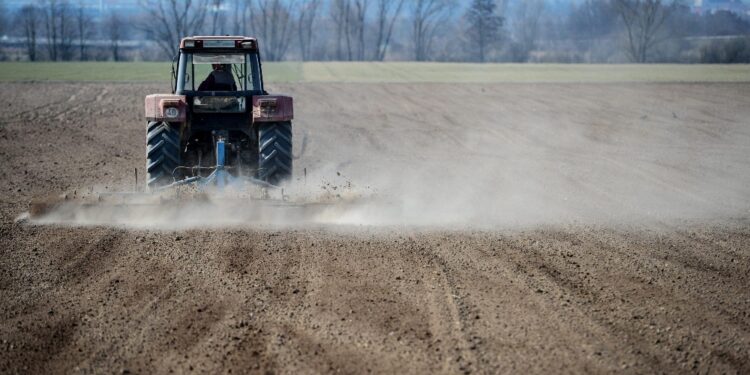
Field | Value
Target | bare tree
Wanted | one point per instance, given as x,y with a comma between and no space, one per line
168,21
350,19
359,18
591,19
50,27
643,20
388,12
67,31
348,29
3,18
239,17
527,28
84,26
58,29
114,25
3,25
308,11
217,21
426,15
341,16
337,14
30,18
484,27
272,21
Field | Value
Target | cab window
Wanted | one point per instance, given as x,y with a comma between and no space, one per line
220,72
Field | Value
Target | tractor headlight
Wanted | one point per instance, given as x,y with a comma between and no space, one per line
171,112
267,107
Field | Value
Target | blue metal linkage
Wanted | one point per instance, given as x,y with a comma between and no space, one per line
220,174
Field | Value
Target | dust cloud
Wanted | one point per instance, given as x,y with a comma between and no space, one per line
502,155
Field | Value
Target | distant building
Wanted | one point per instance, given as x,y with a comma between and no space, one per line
711,6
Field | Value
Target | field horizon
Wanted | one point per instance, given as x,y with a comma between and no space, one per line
389,72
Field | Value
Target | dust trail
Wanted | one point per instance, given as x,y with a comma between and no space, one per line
489,156
188,207
416,198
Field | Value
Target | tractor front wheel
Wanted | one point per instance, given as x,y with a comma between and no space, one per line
162,153
275,152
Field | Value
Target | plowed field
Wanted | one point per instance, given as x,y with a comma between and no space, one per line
511,228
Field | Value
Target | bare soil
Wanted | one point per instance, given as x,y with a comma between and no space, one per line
539,228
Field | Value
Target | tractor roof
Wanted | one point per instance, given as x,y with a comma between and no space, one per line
237,38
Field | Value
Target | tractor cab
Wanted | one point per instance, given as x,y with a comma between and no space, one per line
218,74
204,61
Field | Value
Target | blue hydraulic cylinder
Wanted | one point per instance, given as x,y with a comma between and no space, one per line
220,160
220,153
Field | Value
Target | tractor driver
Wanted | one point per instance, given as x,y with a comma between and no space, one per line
220,79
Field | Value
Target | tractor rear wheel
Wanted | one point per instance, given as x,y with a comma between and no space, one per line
275,152
162,153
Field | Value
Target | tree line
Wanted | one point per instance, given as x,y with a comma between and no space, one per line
599,31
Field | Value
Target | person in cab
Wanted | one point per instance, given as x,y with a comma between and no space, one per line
220,79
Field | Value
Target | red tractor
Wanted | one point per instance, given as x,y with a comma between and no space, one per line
219,123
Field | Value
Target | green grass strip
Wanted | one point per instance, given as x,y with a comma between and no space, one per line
121,71
492,73
372,72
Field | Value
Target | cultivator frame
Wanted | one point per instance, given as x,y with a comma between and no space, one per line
219,177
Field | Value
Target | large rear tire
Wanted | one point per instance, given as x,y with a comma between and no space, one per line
162,153
275,152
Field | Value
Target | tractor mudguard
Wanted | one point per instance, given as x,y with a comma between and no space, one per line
157,105
272,108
